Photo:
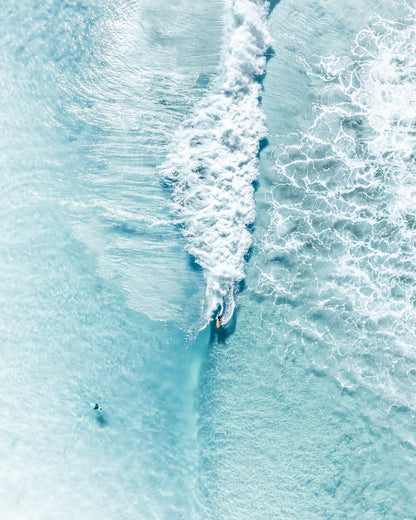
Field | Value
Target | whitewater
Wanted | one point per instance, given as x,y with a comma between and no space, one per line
214,159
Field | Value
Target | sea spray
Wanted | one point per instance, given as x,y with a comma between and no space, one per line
214,160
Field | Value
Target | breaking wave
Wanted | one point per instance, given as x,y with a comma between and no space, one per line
214,158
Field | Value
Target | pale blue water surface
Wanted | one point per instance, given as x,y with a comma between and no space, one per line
129,139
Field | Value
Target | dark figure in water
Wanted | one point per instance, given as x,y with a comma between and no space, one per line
96,406
219,319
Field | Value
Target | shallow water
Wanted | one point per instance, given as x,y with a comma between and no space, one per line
303,405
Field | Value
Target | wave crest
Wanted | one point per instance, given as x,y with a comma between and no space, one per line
213,160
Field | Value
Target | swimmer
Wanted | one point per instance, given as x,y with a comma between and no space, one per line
219,319
96,406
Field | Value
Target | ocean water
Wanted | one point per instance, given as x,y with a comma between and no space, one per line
166,161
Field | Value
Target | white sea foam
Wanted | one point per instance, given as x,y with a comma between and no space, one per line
213,159
342,238
380,84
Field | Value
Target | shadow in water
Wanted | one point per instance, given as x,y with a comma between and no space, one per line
272,5
101,421
193,264
220,335
262,145
270,53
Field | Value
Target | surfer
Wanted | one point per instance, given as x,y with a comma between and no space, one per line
219,319
96,406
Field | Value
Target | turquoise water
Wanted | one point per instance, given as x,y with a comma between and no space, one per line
135,204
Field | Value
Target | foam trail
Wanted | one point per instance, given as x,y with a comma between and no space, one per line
213,161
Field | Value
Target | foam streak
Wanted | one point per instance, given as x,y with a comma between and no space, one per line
213,161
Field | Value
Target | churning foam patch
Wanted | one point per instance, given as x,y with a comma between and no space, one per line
346,192
213,160
379,84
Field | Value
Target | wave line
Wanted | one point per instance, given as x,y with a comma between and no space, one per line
214,160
